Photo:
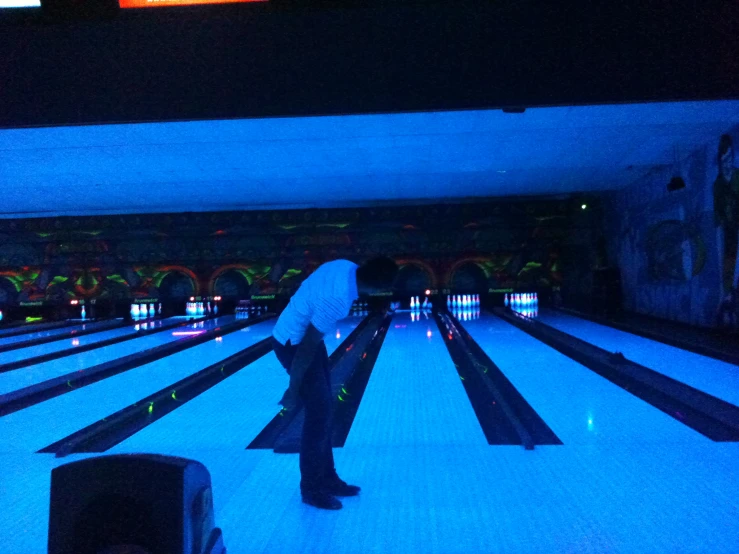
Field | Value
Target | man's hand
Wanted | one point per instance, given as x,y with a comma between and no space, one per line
302,360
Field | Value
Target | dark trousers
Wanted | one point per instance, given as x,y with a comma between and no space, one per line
316,455
731,233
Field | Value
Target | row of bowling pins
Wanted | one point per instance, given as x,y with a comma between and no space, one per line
200,308
360,308
466,314
416,303
462,301
530,312
251,309
138,310
416,315
525,299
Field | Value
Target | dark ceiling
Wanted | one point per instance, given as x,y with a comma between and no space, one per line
295,59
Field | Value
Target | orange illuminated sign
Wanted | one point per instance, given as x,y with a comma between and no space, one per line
164,3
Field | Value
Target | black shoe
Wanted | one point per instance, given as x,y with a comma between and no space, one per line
337,487
321,499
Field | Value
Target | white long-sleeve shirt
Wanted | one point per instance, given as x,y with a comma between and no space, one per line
321,300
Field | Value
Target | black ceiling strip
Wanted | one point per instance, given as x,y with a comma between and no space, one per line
268,436
40,392
10,366
715,418
709,342
114,429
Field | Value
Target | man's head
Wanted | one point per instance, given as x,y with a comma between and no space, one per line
378,274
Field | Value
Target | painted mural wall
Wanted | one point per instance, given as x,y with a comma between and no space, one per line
467,247
677,250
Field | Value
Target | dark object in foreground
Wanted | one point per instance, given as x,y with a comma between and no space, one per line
155,503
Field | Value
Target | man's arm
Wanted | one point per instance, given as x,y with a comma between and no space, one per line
301,362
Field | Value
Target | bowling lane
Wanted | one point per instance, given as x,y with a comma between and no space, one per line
56,332
231,414
26,376
38,426
721,379
415,395
578,405
74,342
28,327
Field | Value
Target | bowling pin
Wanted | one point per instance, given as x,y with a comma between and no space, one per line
142,310
135,310
152,311
505,300
84,313
215,309
160,308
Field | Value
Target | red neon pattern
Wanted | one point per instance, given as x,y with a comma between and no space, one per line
163,3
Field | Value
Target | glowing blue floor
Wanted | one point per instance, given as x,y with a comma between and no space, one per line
627,478
721,379
24,377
